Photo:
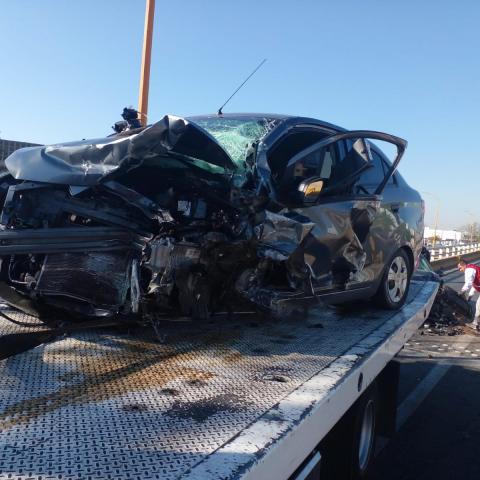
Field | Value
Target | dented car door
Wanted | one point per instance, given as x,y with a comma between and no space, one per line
341,250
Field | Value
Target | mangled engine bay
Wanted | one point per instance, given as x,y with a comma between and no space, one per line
138,226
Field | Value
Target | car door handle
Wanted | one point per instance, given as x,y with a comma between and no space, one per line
395,207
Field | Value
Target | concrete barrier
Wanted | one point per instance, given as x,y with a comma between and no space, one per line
449,263
451,252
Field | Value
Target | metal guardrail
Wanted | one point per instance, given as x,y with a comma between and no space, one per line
449,252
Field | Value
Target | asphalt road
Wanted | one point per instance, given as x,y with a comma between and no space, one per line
438,424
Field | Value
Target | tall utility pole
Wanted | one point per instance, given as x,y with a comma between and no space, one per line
146,60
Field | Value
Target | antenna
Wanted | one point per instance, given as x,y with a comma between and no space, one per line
244,82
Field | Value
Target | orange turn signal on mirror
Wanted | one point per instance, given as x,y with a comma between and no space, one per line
313,188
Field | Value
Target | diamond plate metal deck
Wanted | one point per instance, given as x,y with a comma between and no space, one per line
119,405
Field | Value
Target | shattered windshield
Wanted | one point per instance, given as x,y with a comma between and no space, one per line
237,135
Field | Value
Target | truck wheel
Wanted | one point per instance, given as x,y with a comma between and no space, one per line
348,450
364,434
393,289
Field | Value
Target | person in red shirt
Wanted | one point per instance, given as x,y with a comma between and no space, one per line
470,287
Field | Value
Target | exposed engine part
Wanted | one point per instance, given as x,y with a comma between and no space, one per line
195,293
135,291
165,254
98,279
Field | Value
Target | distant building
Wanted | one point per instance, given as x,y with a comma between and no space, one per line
447,236
9,146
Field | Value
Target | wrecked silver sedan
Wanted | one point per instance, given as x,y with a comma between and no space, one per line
193,216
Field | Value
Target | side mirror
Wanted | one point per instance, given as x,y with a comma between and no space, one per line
310,189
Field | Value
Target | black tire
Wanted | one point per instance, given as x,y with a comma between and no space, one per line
364,434
393,289
348,450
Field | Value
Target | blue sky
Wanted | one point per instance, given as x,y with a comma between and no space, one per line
409,68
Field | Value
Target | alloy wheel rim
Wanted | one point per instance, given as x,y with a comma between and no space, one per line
366,436
397,279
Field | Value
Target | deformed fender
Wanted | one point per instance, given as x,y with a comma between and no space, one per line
324,246
335,248
282,232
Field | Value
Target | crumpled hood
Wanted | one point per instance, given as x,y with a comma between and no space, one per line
86,162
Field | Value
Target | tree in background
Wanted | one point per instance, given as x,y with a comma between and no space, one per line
471,232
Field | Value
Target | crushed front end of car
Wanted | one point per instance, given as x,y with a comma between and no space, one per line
188,217
147,223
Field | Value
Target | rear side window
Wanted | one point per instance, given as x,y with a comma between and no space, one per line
393,179
374,175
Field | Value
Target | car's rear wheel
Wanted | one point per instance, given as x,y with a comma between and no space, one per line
393,289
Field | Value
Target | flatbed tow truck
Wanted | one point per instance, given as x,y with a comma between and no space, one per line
237,397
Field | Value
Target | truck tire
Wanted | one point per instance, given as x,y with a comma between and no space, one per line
364,434
348,450
393,289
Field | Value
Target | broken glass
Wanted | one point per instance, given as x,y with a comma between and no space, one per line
236,135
